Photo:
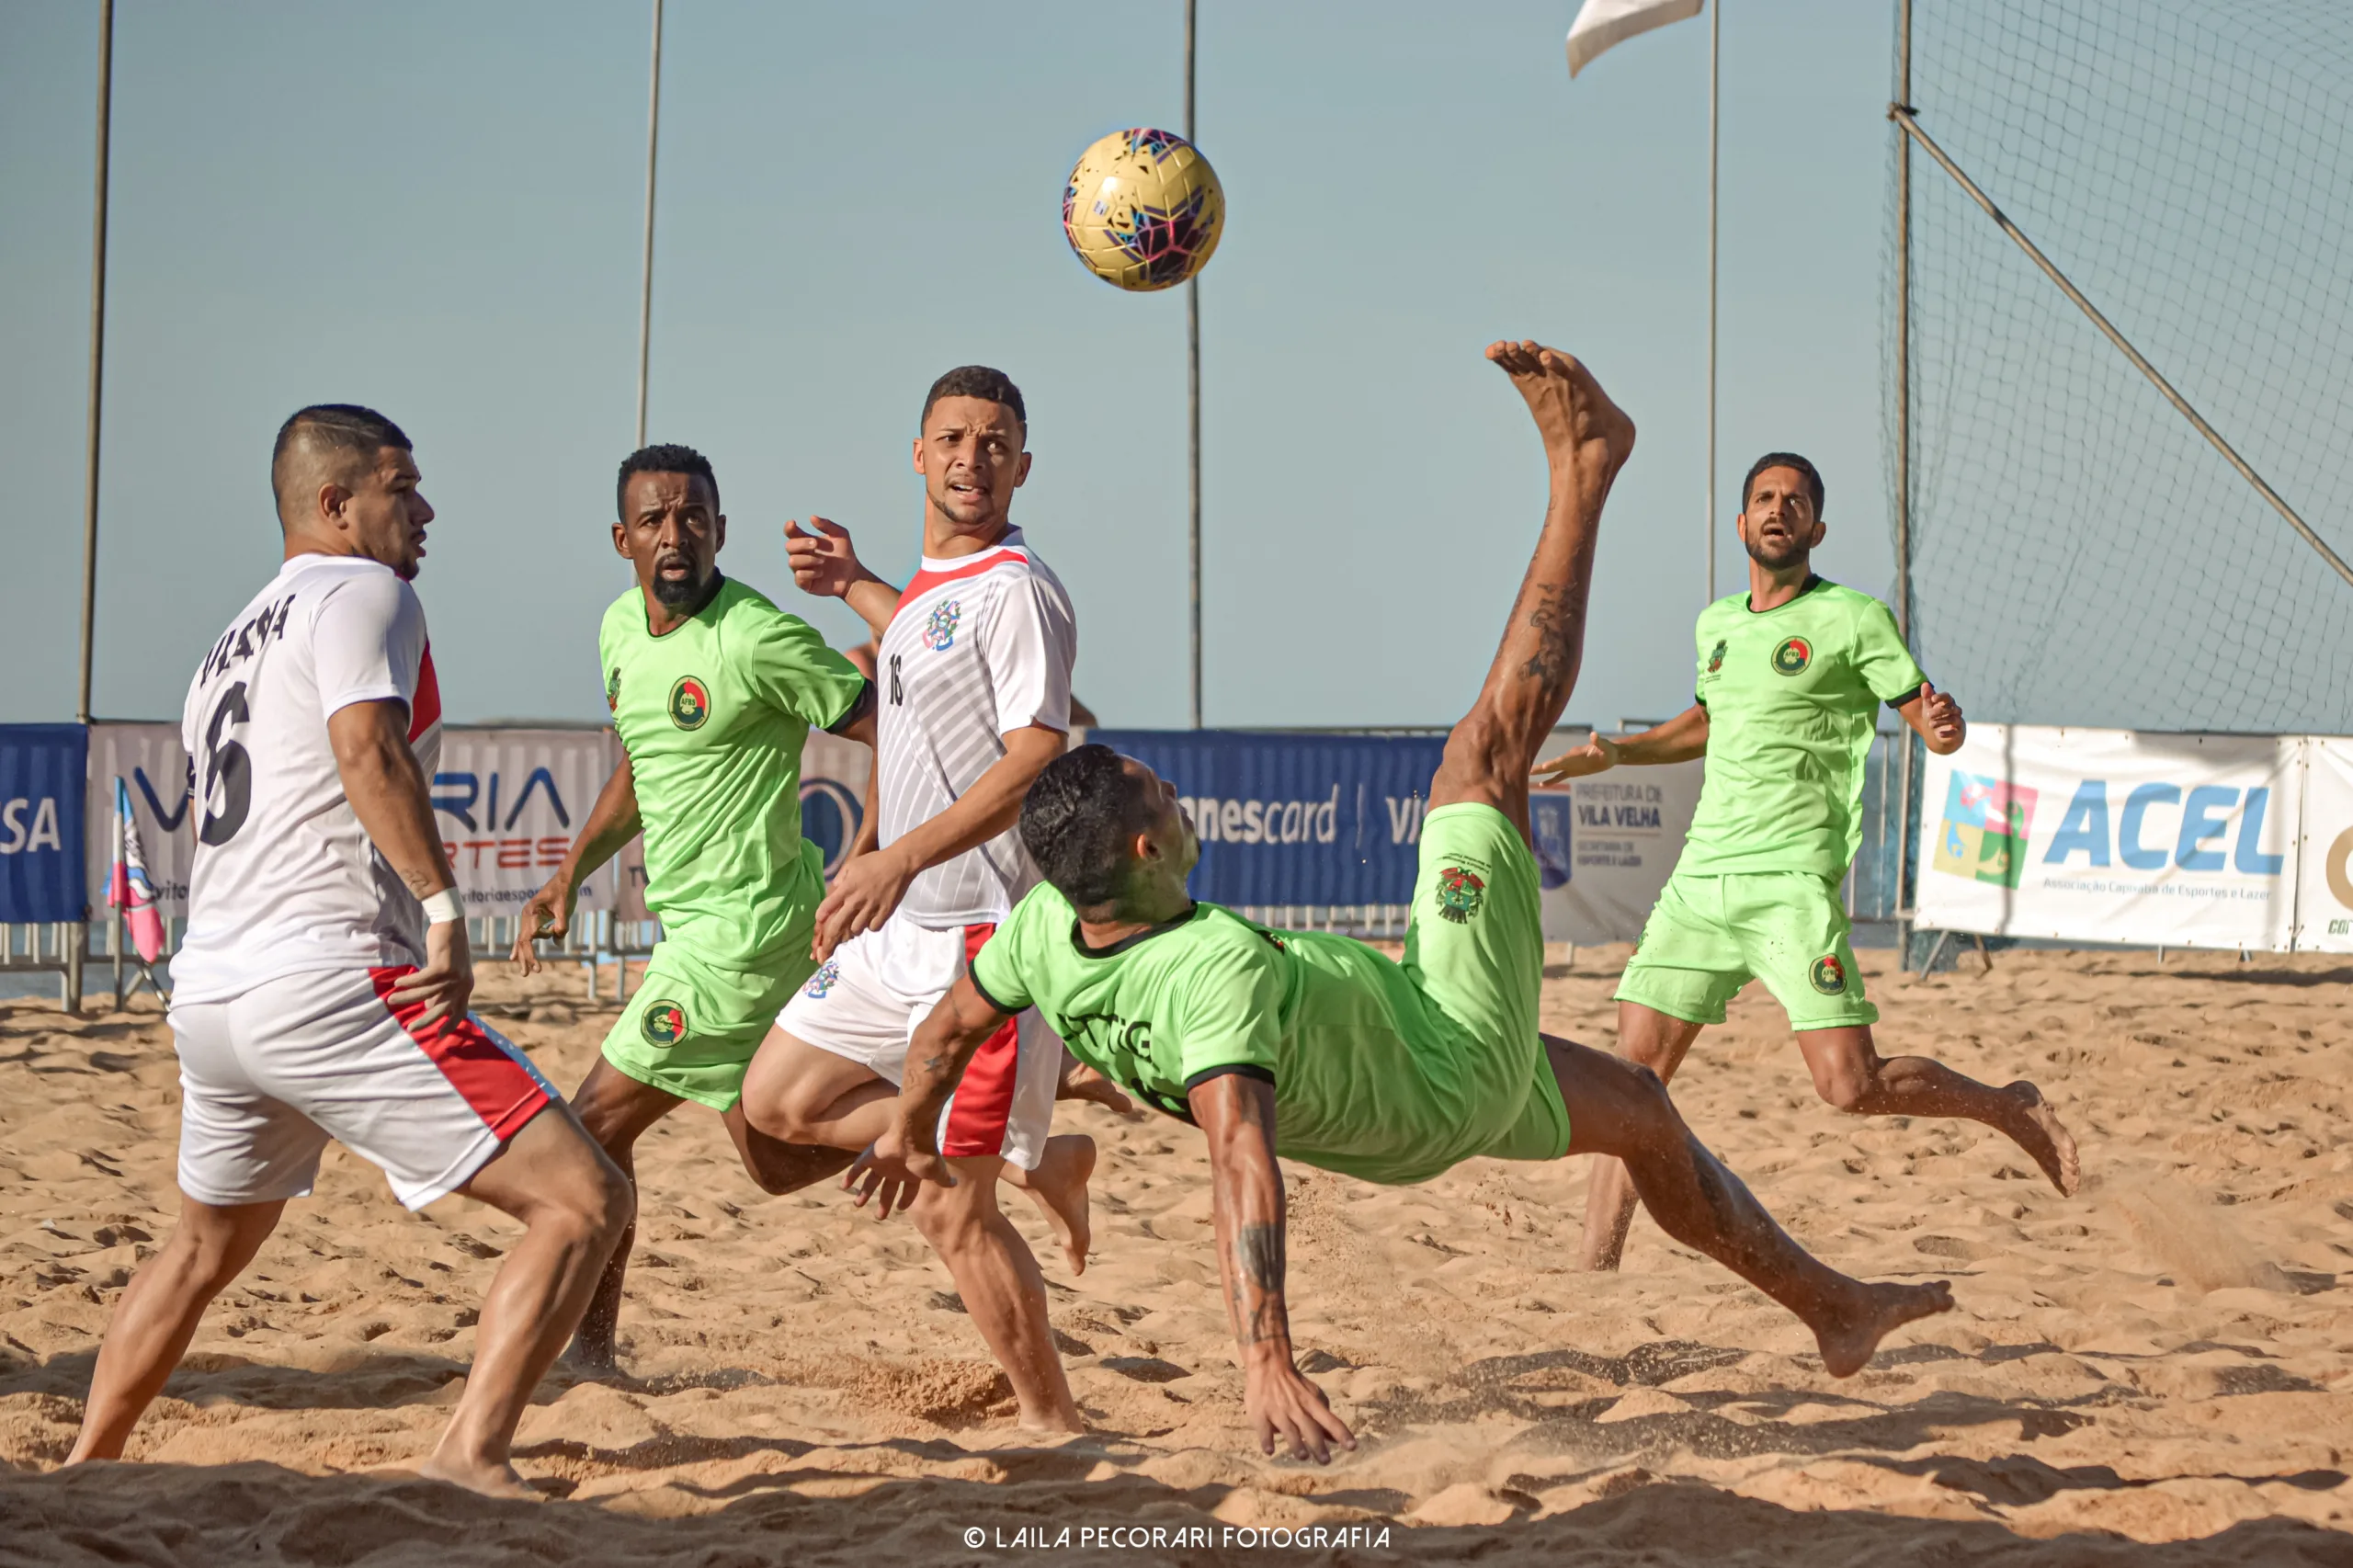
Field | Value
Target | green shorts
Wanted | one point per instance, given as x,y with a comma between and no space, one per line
1711,936
1474,947
693,1026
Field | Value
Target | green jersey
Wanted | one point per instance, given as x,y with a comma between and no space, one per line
1791,696
1371,1078
712,715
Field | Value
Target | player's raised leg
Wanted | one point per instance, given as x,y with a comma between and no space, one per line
1850,1074
1619,1109
575,1205
1587,440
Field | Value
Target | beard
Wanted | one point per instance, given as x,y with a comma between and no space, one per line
1777,558
678,591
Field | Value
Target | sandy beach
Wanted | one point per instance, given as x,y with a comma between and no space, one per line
2155,1371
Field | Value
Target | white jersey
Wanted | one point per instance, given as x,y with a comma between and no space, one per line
285,878
979,647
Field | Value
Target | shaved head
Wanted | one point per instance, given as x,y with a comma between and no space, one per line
328,443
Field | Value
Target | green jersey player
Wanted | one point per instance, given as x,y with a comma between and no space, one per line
1792,674
713,689
1320,1049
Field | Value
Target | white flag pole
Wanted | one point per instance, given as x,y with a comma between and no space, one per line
645,277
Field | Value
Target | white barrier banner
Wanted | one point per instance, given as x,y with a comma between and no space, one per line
832,804
509,802
2324,872
149,758
2110,835
1605,847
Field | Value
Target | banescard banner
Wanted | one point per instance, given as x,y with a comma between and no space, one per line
2324,871
42,799
2114,836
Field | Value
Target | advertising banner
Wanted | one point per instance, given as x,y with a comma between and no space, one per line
2113,835
2324,871
1605,847
43,769
509,802
149,760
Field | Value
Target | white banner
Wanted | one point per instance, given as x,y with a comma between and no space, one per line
2324,872
1605,847
2110,835
509,802
148,756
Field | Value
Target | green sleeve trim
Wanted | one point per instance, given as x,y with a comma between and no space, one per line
1245,1069
974,974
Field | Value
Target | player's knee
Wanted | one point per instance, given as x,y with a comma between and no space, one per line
593,1205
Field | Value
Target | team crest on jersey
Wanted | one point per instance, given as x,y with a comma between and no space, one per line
689,703
1829,976
939,631
1716,657
1792,656
664,1024
822,981
1459,893
613,691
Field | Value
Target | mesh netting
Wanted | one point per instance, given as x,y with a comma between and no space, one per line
2081,554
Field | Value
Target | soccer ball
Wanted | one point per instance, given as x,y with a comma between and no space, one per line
1143,209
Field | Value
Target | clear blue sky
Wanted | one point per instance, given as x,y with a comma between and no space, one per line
435,209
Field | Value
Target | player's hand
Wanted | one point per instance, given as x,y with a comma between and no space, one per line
864,893
545,917
1285,1407
446,984
1080,1081
1596,756
1942,715
891,1169
823,561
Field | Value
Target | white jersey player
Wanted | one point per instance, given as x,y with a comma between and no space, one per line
972,675
320,990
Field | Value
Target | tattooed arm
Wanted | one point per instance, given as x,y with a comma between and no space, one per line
1237,1112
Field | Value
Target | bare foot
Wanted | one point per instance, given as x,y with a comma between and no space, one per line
1061,1424
591,1360
478,1476
1084,1082
1058,1186
2046,1139
1849,1342
1575,417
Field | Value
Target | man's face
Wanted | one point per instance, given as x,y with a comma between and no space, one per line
385,515
1778,524
971,458
1170,828
672,532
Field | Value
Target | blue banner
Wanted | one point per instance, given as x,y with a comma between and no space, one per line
43,770
1292,818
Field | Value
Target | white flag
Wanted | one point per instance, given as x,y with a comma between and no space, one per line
1602,24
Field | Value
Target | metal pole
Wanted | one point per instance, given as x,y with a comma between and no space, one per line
646,283
77,935
1193,415
1715,40
1901,114
1902,473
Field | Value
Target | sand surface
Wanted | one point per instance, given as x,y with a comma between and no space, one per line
2167,1359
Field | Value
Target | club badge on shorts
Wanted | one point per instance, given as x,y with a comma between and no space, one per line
1459,893
689,703
1792,656
663,1024
822,981
1829,976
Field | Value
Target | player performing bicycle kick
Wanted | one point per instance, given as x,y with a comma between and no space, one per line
1321,1048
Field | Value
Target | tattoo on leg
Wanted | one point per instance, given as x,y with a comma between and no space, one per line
1554,621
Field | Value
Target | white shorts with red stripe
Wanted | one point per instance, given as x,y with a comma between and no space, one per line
866,1002
269,1075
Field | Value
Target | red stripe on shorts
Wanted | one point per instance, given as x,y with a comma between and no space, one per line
499,1088
984,1097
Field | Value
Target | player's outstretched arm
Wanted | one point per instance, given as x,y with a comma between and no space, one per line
1238,1113
825,562
908,1152
612,821
1680,739
869,887
388,794
1937,719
